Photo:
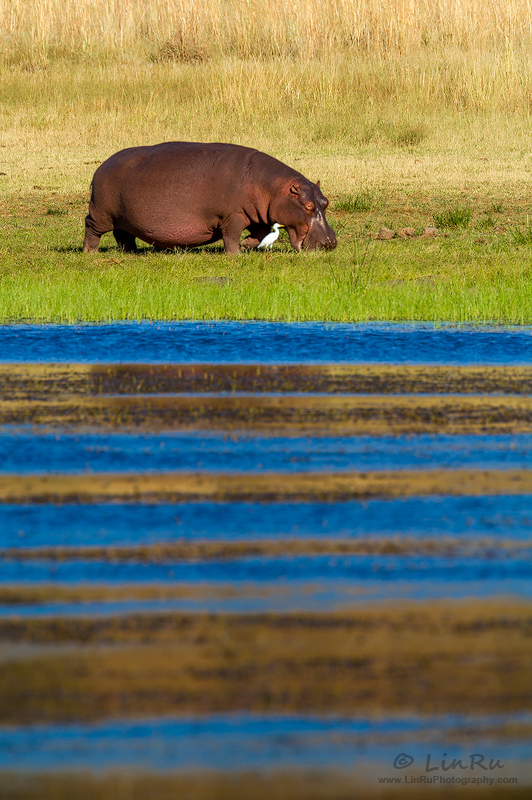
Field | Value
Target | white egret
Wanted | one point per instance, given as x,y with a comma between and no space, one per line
271,237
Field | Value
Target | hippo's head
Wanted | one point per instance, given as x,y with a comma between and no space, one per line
300,207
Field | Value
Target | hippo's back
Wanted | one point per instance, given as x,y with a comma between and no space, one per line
187,168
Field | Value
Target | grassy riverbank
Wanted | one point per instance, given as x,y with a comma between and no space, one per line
481,273
418,124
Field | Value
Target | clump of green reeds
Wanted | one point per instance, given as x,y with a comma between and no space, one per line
364,200
521,236
453,217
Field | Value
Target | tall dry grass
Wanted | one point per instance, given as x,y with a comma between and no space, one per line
200,29
345,90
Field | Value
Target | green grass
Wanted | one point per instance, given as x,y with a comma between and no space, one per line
457,277
396,141
456,217
364,200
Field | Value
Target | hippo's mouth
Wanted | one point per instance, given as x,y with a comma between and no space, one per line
308,241
318,240
319,245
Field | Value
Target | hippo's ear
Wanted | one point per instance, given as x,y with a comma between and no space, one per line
318,184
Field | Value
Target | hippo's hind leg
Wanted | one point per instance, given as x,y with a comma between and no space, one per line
125,241
92,238
95,226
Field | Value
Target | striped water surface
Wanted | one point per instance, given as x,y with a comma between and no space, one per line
116,524
221,609
498,572
29,450
254,741
267,342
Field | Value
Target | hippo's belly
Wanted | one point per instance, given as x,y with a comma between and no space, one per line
167,229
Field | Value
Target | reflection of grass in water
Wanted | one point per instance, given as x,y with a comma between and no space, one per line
470,657
376,414
285,784
44,381
161,553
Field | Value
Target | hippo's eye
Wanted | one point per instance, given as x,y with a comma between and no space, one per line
310,206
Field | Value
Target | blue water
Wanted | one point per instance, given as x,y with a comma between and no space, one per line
267,342
116,524
29,450
260,741
421,568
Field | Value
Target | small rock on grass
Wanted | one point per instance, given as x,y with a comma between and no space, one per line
215,280
385,233
405,233
425,280
429,233
394,282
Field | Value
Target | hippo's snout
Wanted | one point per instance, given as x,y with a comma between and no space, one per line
331,241
323,239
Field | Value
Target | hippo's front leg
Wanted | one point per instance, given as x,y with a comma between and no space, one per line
232,228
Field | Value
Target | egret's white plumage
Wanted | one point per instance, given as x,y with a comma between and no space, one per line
271,237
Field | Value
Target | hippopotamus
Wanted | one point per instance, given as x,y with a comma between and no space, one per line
186,194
